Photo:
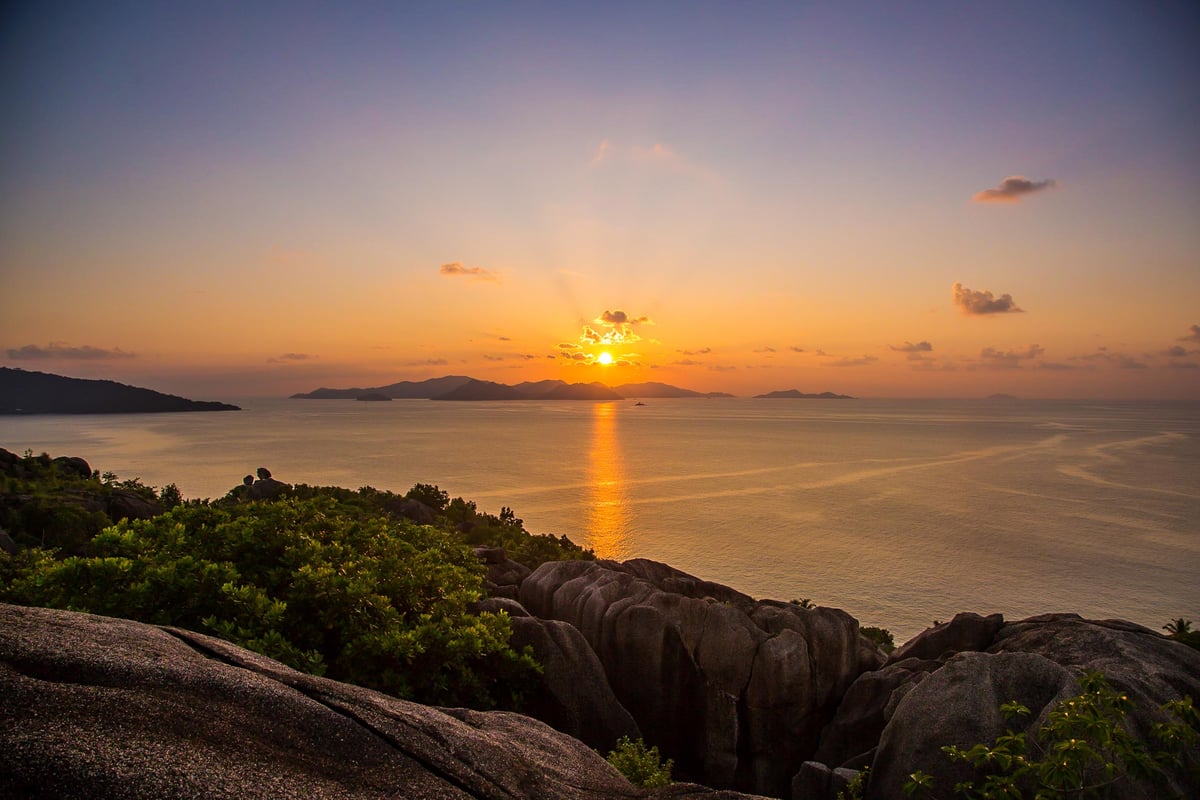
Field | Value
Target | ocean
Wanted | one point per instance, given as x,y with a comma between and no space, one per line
901,512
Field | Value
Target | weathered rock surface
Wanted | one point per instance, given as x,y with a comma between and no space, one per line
105,708
576,698
850,739
965,632
504,575
125,504
736,691
902,715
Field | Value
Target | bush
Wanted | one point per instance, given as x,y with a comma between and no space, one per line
325,589
882,637
641,766
1083,750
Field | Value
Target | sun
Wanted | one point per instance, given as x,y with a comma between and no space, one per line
604,358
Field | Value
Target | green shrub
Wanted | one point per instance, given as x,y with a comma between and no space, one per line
880,636
1083,750
1181,631
321,587
641,766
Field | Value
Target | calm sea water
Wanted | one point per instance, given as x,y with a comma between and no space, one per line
900,512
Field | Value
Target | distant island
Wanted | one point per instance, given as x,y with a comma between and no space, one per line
404,390
796,394
25,392
656,389
460,387
373,397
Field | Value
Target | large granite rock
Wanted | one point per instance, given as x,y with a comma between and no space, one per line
574,696
104,708
901,716
736,691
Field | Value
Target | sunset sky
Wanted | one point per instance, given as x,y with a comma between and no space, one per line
228,200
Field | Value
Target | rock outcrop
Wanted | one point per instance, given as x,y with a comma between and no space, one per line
946,687
735,691
104,708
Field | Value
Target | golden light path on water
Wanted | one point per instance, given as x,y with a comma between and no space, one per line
606,509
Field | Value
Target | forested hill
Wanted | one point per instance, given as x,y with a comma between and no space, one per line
23,392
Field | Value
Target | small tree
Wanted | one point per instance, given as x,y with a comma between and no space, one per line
1179,626
640,765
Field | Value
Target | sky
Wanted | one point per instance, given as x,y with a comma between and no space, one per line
234,200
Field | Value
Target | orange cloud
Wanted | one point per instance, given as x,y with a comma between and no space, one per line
1012,189
996,359
66,352
290,357
455,268
975,303
615,328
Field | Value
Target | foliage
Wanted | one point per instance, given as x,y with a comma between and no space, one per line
47,503
640,765
880,636
1181,631
460,517
856,785
311,582
431,496
803,603
1083,750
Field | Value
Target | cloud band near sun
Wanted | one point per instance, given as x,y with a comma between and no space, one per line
613,328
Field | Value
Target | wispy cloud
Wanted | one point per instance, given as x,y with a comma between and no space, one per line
1012,189
1193,334
428,362
1119,360
620,318
764,350
601,152
861,361
1009,359
455,268
66,352
286,358
796,349
703,351
975,303
909,347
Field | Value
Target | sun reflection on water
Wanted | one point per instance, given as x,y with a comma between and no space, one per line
606,487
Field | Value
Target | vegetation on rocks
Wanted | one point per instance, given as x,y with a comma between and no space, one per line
1181,631
327,580
1083,749
641,766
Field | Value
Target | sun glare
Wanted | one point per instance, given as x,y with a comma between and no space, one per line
604,358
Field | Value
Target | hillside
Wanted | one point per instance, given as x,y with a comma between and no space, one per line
661,390
461,387
796,394
23,392
404,390
544,390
